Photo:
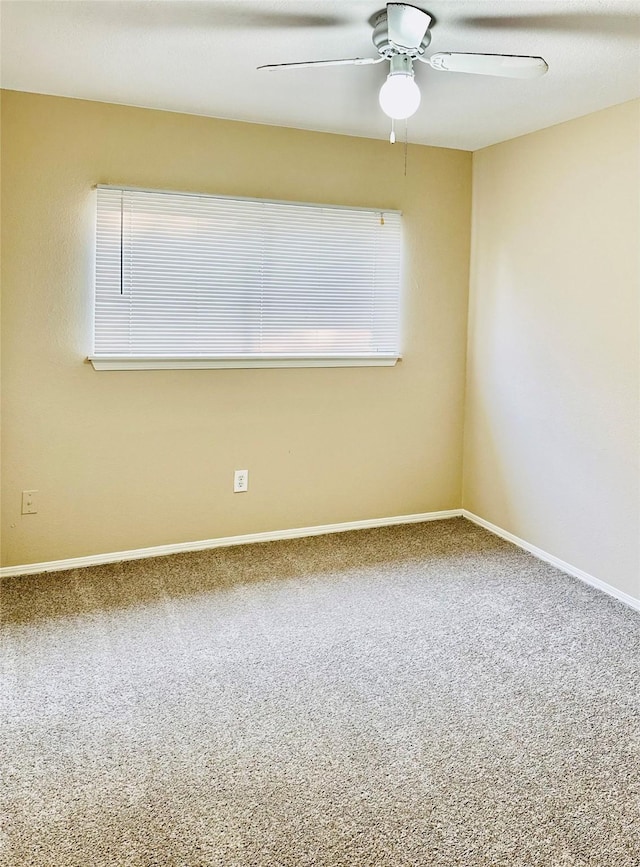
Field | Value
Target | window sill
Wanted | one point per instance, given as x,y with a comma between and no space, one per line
120,362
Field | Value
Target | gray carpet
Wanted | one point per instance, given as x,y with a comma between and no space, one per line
417,695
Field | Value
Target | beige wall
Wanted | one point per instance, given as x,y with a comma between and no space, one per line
132,459
552,438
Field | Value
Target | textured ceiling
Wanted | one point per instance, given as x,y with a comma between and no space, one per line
201,58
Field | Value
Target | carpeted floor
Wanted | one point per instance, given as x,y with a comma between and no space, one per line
416,695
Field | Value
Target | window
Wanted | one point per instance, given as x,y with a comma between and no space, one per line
186,280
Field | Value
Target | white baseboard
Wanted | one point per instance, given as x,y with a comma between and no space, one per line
224,542
554,561
321,530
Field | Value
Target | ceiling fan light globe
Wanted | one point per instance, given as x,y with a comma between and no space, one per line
399,96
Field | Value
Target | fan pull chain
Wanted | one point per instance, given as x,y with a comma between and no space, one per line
406,134
392,137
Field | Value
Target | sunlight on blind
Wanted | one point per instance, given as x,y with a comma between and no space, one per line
181,275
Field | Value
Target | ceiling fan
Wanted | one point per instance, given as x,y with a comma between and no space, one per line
401,34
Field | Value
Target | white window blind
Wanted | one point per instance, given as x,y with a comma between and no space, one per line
215,281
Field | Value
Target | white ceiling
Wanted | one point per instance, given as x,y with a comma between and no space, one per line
201,57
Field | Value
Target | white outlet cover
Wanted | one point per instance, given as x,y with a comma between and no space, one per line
29,503
240,481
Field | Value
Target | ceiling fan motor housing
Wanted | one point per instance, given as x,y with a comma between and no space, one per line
388,49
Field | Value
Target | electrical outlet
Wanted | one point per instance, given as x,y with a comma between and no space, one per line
29,502
240,481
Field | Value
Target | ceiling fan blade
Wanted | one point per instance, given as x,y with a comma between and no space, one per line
406,25
625,22
355,61
506,65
